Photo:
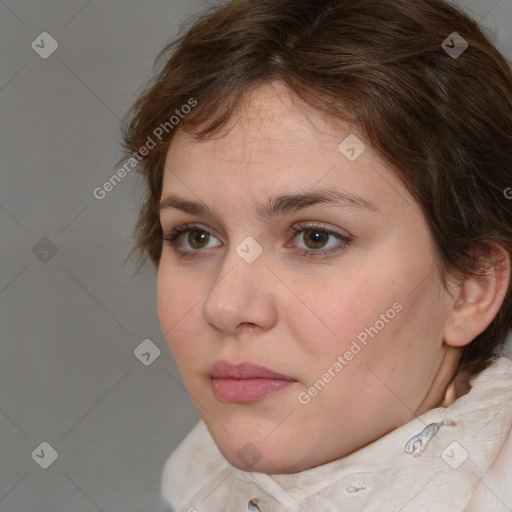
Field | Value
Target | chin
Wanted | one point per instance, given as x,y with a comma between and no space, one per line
253,451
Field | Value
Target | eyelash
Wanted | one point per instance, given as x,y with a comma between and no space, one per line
173,237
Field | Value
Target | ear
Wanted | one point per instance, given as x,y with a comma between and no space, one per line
478,299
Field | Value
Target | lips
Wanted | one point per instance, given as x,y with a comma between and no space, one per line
245,382
225,370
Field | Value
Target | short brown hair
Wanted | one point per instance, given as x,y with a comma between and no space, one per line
442,121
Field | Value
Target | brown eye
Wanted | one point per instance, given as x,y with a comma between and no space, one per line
197,238
191,240
315,238
317,241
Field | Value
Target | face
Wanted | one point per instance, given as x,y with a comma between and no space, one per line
290,252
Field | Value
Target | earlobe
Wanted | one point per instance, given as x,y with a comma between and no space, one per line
478,300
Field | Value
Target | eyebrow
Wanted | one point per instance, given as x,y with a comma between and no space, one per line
278,206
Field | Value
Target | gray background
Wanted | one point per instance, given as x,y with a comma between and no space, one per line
70,321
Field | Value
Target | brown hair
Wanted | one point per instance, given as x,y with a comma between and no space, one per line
443,122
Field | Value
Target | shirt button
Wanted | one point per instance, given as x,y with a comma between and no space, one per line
353,488
252,507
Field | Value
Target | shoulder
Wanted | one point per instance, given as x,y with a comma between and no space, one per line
493,491
194,460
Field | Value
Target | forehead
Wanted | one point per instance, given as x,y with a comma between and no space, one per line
269,122
275,143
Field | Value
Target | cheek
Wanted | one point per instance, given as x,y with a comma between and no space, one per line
338,314
178,299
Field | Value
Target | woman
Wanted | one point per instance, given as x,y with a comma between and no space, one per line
326,206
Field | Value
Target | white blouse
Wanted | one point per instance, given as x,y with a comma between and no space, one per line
449,459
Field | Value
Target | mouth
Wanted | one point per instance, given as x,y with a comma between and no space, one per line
245,382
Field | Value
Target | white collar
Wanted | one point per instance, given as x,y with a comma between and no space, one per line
473,427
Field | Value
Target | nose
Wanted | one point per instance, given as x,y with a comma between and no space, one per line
241,300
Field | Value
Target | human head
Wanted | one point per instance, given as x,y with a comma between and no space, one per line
442,125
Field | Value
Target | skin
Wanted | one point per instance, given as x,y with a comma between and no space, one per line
296,314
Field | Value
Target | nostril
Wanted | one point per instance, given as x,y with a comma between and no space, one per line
247,327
